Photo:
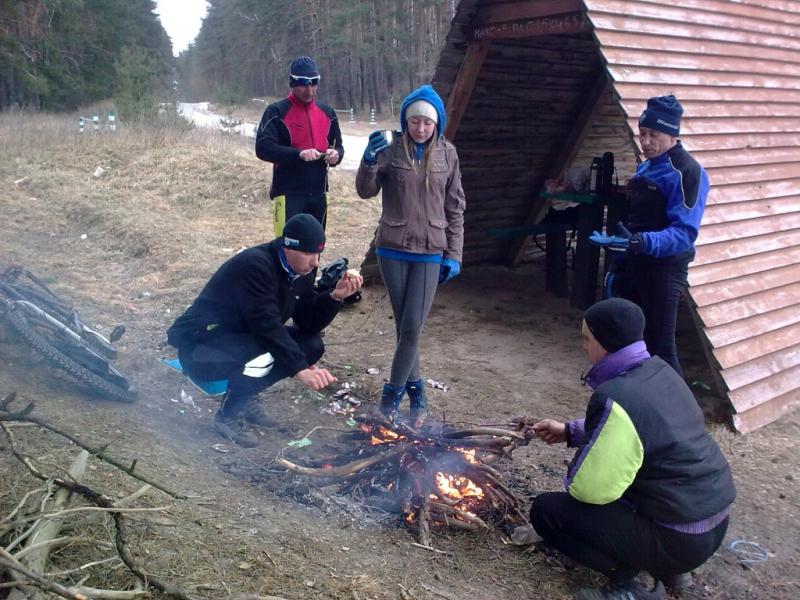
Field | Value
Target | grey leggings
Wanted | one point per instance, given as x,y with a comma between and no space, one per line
411,287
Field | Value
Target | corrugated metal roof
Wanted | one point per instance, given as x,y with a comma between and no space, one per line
735,66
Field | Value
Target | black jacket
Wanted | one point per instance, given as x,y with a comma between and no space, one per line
253,293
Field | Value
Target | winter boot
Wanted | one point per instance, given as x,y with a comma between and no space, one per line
629,590
419,404
231,429
254,413
391,397
678,583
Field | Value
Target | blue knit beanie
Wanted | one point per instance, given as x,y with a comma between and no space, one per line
302,66
663,113
429,95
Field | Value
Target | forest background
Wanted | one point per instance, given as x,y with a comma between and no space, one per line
57,55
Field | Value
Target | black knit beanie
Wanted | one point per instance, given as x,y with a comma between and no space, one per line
615,323
304,233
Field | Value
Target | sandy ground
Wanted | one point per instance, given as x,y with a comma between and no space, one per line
170,207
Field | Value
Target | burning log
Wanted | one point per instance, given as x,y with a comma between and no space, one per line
492,431
343,470
435,478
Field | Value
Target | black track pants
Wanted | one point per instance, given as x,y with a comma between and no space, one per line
617,541
225,357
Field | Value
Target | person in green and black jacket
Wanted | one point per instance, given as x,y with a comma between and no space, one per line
648,489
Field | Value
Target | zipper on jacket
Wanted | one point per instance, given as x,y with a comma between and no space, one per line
310,126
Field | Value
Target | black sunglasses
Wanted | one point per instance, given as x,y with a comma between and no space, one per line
301,80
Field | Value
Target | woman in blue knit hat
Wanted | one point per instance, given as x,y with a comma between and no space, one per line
421,230
668,197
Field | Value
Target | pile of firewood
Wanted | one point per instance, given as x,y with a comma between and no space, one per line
33,528
435,477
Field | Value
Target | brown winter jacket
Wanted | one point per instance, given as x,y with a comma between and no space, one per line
416,219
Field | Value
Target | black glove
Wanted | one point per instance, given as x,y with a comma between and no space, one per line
634,241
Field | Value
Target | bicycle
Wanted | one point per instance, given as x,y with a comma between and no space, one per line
54,330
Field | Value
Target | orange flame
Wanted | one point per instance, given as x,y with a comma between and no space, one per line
457,487
469,456
387,436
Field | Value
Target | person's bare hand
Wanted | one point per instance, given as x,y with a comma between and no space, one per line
332,156
315,378
348,285
310,154
551,431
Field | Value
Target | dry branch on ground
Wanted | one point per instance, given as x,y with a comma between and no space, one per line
34,527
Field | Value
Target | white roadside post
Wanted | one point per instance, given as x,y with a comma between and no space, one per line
112,121
352,116
96,121
80,124
372,116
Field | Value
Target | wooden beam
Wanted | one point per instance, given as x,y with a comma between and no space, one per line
582,124
460,93
570,23
527,9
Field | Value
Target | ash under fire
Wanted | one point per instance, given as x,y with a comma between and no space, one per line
436,478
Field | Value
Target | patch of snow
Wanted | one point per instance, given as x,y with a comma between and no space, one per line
198,114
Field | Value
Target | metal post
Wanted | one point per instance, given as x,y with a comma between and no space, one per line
352,116
96,121
372,116
112,121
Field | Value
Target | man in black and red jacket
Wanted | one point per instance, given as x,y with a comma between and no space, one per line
302,139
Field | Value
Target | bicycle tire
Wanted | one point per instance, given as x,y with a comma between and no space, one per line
56,307
44,347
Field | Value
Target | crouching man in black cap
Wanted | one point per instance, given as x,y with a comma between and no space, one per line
236,330
648,489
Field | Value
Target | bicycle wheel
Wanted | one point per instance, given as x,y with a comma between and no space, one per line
112,382
44,298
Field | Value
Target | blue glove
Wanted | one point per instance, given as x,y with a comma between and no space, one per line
449,269
600,239
377,143
615,243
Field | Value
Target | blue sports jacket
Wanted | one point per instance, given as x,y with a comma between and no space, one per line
668,197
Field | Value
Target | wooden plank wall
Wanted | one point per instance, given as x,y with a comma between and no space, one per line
521,108
735,66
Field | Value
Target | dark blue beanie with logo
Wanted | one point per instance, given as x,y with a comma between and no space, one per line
302,66
663,113
304,233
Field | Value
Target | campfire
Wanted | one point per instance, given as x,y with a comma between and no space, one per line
438,477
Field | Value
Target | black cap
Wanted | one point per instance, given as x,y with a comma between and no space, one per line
615,323
304,233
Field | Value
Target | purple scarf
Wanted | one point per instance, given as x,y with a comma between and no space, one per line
616,363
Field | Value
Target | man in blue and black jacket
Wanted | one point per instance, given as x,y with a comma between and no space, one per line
301,137
648,489
668,197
